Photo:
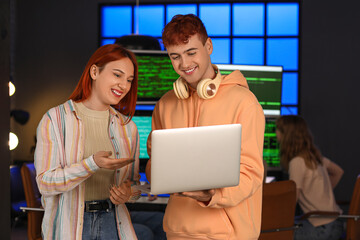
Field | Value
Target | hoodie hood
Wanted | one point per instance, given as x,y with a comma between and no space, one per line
234,78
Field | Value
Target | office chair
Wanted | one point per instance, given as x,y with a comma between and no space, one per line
17,195
352,218
278,210
353,222
33,196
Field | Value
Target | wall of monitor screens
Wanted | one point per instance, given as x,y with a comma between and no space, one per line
256,33
248,33
156,76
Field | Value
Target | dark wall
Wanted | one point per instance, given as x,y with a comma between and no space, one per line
54,39
4,120
330,83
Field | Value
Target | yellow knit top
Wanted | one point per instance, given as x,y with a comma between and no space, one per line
96,125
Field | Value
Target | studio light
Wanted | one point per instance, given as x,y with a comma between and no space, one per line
13,141
11,89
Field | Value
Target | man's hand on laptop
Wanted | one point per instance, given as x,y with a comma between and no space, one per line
152,197
202,196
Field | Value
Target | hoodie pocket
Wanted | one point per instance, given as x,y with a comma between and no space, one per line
186,217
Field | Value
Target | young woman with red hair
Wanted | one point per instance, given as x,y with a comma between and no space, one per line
87,152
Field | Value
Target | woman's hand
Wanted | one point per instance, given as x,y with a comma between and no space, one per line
102,159
121,194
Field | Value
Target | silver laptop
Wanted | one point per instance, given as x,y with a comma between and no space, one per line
195,158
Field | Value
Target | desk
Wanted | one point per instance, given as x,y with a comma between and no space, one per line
143,204
159,200
24,209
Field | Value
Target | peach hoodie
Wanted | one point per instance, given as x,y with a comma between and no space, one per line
234,212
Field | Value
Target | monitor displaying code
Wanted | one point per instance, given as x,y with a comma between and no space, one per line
264,81
156,74
271,152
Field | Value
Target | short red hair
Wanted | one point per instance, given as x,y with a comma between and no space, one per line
181,28
102,56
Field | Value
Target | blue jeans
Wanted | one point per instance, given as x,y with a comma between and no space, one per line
100,225
330,231
148,225
143,232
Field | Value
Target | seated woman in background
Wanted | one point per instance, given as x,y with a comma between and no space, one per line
315,177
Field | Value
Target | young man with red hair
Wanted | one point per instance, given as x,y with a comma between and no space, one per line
203,97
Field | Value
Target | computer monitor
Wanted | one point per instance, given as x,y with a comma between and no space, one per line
156,75
142,119
271,152
143,124
264,81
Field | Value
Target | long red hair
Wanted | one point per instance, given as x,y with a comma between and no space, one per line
102,56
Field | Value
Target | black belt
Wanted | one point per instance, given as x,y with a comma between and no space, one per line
102,205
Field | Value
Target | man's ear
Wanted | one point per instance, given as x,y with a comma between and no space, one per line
93,72
209,46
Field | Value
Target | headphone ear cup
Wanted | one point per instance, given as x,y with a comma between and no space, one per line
207,88
181,88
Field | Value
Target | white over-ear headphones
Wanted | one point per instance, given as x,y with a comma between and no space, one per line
206,88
